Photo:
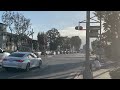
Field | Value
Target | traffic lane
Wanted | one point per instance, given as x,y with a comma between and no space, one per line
51,61
55,65
14,72
55,68
52,71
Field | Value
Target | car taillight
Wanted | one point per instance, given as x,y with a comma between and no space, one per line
19,60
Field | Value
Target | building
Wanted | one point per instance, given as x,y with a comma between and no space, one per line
12,44
3,31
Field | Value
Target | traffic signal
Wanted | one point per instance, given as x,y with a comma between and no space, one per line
78,28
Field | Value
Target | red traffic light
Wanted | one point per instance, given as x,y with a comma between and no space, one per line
78,28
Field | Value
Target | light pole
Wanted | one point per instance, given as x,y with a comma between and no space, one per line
32,38
44,46
100,35
91,32
87,73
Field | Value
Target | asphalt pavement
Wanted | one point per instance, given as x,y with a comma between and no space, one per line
54,67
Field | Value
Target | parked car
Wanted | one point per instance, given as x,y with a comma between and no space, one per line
1,51
21,60
3,54
43,53
38,54
52,53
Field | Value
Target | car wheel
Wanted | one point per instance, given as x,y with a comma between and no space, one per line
27,67
40,63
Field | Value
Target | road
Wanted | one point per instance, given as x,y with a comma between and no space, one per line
54,67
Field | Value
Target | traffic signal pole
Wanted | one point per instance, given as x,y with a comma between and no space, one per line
87,73
100,36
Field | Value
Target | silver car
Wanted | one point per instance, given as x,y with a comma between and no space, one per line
22,60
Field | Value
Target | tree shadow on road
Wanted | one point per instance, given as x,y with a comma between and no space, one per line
51,69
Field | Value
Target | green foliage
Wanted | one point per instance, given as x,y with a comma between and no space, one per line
64,43
42,40
17,24
52,38
76,42
111,24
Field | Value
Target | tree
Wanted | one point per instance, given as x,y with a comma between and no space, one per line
42,40
21,25
52,37
95,45
7,18
76,42
64,43
35,45
17,23
111,36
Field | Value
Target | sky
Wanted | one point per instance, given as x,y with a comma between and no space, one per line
64,21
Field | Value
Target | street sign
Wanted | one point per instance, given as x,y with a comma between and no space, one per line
94,27
94,33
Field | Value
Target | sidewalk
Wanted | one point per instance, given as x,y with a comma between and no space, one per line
103,73
99,74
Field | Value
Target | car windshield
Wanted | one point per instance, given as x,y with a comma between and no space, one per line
16,55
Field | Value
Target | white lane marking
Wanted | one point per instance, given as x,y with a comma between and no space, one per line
73,75
13,76
78,76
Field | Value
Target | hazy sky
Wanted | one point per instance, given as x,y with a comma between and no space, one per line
64,21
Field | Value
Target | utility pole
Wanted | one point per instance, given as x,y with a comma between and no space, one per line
87,74
44,46
91,32
32,39
100,36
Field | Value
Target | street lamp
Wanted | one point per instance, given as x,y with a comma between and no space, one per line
31,33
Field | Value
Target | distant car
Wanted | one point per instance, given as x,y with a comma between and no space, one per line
43,53
21,60
52,53
64,52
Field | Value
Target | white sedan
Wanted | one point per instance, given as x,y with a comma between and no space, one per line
22,60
